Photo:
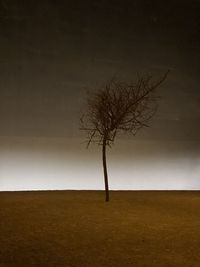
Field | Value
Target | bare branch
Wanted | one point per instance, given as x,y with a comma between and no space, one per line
120,106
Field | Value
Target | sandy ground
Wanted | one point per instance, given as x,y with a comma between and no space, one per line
77,228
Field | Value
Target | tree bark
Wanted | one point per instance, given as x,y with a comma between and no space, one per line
105,170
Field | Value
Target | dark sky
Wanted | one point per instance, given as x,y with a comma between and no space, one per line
51,50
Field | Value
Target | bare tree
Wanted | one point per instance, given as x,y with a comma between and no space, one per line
119,106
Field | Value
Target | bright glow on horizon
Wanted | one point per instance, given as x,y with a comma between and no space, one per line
60,164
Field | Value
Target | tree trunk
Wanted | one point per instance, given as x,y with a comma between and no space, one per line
105,170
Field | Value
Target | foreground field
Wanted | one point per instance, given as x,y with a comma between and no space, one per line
77,228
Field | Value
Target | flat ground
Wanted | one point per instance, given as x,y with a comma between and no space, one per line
77,228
